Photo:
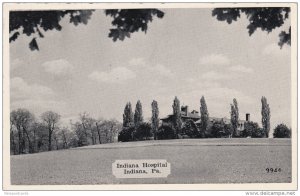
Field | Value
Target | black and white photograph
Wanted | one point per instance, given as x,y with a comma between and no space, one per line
150,94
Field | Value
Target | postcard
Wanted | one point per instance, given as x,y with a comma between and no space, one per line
150,96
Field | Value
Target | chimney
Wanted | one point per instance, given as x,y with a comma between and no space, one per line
185,109
247,117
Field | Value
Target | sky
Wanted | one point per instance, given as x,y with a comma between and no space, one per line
187,54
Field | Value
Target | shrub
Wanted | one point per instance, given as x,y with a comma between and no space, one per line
250,129
259,133
190,129
126,134
218,130
282,131
228,130
143,132
166,131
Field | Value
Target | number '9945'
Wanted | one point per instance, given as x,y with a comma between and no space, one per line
273,170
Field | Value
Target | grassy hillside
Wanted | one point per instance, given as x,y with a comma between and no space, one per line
192,161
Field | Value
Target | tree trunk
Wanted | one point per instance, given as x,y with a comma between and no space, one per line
98,131
23,144
106,137
20,140
93,137
29,141
85,133
12,138
111,134
34,141
65,144
49,140
56,143
13,142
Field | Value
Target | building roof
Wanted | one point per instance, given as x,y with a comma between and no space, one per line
224,119
190,115
165,118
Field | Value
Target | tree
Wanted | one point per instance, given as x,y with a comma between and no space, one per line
40,131
56,140
228,130
265,115
111,129
234,114
13,146
127,21
116,130
128,116
73,140
250,129
88,127
51,120
282,131
258,133
38,135
217,129
65,135
126,134
35,23
166,131
22,119
177,115
80,139
103,130
155,118
138,114
142,131
99,125
190,129
265,18
204,116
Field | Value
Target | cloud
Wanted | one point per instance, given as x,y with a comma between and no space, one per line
35,97
137,62
116,75
58,67
162,70
212,75
200,83
21,90
274,49
242,69
38,106
140,64
214,59
227,94
15,64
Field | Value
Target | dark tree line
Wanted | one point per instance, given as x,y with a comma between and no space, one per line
128,21
134,128
29,134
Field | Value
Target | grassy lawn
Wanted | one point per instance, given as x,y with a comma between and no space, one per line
192,161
